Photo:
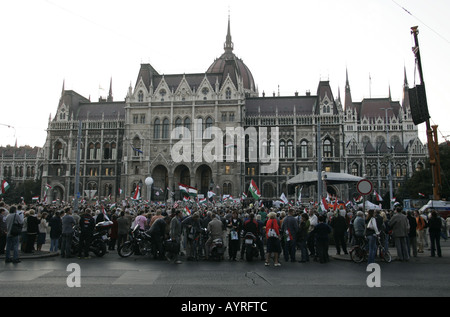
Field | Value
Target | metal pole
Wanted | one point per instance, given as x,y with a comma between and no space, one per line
389,157
77,172
319,163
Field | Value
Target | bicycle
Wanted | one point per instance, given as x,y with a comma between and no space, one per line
360,251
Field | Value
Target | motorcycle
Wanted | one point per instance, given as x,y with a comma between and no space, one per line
99,239
139,242
217,249
251,247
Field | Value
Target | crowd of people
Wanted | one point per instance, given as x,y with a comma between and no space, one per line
295,234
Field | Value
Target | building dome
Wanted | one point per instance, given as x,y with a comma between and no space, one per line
229,64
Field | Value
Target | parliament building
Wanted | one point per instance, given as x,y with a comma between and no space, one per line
124,142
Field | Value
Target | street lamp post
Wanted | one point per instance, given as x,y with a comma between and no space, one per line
149,183
388,143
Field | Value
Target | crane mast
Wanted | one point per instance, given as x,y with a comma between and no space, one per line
420,114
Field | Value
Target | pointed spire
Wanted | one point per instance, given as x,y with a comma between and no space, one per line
348,103
110,95
63,89
228,46
405,82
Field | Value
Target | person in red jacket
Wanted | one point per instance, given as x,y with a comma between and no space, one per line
273,239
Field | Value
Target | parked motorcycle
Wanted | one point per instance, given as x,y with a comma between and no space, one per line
251,247
217,249
100,239
139,242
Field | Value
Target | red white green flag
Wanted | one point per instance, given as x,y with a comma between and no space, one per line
5,186
254,190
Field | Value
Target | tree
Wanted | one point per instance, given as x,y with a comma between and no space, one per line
421,181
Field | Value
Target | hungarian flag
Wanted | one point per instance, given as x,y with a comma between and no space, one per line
211,194
244,196
187,190
323,205
254,190
186,211
5,186
202,201
420,194
377,196
35,198
137,194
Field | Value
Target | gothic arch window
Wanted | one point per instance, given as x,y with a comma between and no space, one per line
282,149
380,140
178,122
97,151
303,149
91,151
383,170
199,127
187,123
165,129
157,129
208,124
137,146
268,190
228,93
355,169
106,151
113,150
58,154
290,149
227,188
327,148
140,96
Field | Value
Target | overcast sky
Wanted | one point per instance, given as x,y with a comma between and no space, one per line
286,44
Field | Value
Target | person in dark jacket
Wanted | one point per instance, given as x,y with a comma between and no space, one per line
434,228
87,226
339,226
321,232
302,237
412,235
55,224
157,232
32,231
289,228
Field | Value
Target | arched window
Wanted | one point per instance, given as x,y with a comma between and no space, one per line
106,151
98,153
177,122
140,96
304,149
290,149
355,169
208,124
227,188
137,146
327,148
282,149
187,123
199,127
165,129
91,152
156,129
228,93
58,151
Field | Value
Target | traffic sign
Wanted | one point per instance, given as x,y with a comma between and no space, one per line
364,187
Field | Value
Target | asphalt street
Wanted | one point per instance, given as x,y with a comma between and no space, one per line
45,274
